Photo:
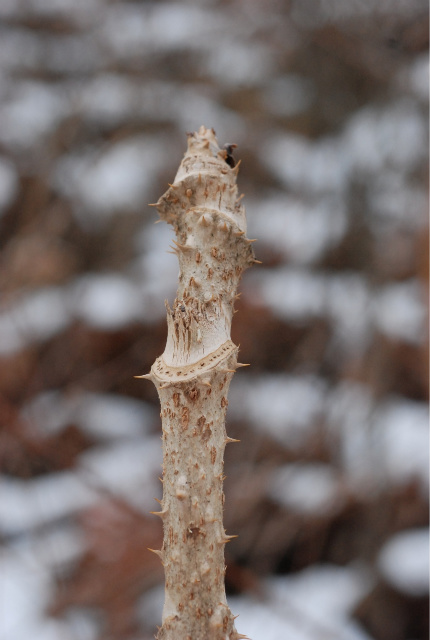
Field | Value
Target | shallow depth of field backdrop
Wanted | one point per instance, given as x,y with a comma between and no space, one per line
327,101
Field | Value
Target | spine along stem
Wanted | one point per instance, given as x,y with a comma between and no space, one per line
192,378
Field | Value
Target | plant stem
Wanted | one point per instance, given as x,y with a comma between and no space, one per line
192,378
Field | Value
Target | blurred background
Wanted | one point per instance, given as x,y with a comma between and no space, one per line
328,489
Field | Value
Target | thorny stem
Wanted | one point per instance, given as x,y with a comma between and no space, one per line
192,379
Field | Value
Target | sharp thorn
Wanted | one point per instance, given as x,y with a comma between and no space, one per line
182,247
239,233
158,553
157,500
249,240
168,384
240,364
202,220
146,376
236,167
160,514
152,204
231,440
172,186
256,262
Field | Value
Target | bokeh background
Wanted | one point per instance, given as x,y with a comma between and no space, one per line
328,490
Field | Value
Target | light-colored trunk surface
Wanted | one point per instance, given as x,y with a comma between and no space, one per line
192,378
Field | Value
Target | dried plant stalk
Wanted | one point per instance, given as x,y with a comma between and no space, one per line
192,378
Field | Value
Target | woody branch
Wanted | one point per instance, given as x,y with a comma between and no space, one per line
192,378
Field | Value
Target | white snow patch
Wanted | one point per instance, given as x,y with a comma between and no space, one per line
113,416
401,437
107,301
156,270
393,136
286,407
108,99
113,180
259,622
295,294
348,305
302,231
25,589
81,9
404,562
26,504
128,469
191,107
396,203
377,444
20,49
306,488
73,54
183,26
58,547
38,315
349,409
238,63
33,111
311,604
102,415
321,166
150,608
400,311
132,31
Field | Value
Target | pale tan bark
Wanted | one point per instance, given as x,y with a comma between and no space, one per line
192,379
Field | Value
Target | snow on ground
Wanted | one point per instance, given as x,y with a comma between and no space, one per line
34,316
386,442
313,603
307,488
103,416
31,111
106,301
400,440
298,293
400,311
404,562
26,505
302,231
129,470
113,179
286,407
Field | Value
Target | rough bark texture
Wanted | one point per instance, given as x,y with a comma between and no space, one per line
192,378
